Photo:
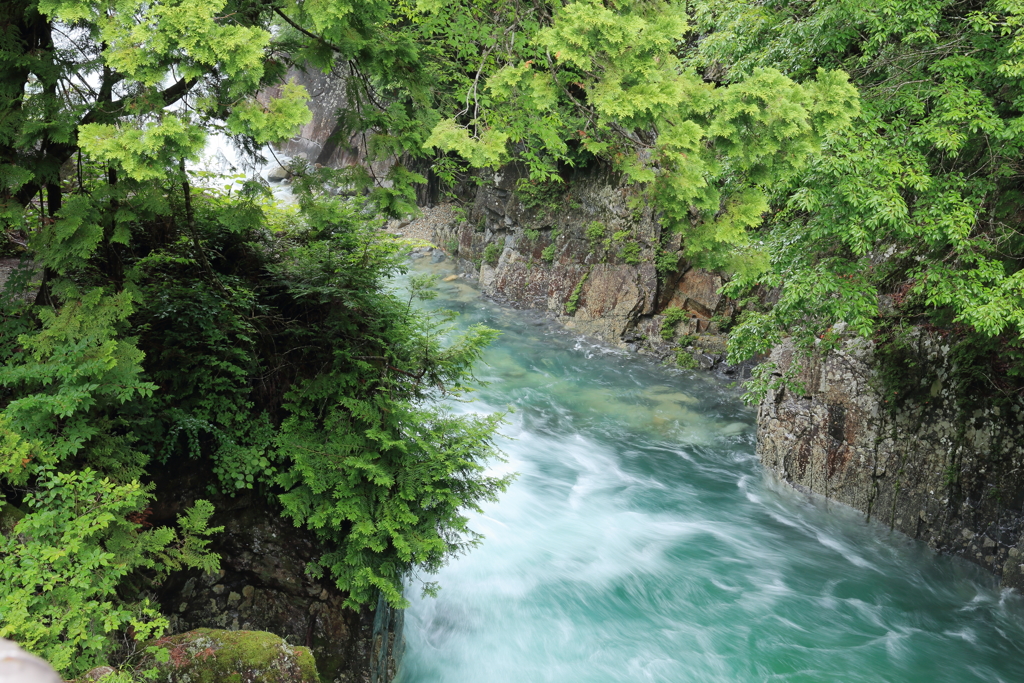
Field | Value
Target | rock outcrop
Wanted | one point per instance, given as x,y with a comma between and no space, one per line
18,666
263,584
937,461
585,252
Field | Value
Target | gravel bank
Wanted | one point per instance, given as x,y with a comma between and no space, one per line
423,226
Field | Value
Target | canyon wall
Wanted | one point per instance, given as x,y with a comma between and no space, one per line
909,443
585,252
943,466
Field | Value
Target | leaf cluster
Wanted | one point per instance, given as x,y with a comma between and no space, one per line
912,213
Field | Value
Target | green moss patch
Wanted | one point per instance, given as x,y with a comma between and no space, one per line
216,656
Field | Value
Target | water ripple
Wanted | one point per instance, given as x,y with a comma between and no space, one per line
643,542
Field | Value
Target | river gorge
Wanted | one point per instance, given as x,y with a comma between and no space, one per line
644,541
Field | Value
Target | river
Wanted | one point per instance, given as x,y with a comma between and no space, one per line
643,541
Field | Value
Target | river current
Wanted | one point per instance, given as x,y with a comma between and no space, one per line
643,541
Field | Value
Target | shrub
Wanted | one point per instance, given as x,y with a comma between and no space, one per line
630,254
673,316
540,194
492,252
686,360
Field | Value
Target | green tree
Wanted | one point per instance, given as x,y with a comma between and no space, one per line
918,203
157,321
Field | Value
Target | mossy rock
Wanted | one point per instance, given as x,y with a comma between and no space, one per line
9,517
711,343
216,656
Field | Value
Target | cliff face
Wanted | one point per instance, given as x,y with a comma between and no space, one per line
263,585
584,251
944,465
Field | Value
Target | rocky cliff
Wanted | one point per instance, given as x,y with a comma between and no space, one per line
911,442
585,251
263,585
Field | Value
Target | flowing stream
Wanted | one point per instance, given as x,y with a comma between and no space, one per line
643,541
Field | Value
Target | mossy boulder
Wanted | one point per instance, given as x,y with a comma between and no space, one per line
215,656
9,517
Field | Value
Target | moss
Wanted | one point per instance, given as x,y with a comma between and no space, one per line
216,656
574,298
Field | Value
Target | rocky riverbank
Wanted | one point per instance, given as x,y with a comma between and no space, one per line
940,463
584,256
584,253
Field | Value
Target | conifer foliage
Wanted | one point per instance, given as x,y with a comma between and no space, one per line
913,215
163,319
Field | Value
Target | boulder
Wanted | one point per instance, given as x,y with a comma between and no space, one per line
697,291
278,175
215,656
9,517
18,666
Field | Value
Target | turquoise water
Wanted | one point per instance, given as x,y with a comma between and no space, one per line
643,541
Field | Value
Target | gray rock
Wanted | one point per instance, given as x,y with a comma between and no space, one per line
278,175
705,361
18,666
911,466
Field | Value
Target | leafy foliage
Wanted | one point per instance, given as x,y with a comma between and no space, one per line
673,316
592,80
492,252
66,559
157,323
916,206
